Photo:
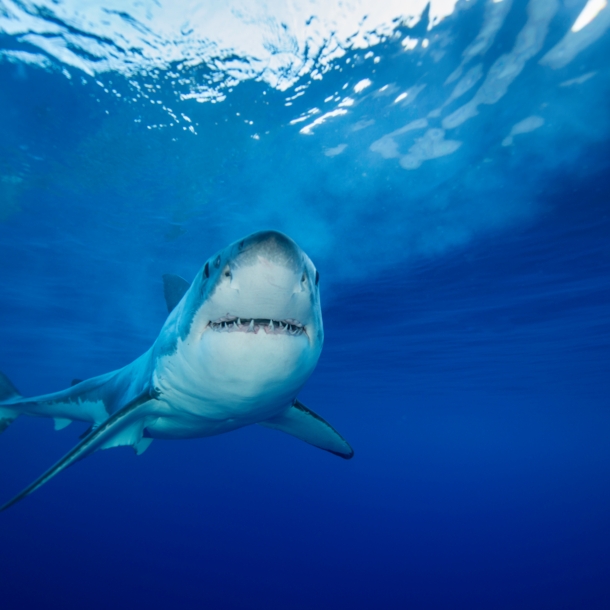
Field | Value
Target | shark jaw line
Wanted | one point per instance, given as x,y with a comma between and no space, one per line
253,325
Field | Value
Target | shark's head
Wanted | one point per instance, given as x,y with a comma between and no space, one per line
262,283
253,314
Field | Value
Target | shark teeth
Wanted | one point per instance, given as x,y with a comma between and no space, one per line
253,325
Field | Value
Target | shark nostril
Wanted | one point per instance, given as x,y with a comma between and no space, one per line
317,278
206,271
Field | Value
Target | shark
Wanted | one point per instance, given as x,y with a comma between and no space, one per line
238,345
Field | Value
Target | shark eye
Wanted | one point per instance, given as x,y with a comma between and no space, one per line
206,271
303,277
317,278
227,271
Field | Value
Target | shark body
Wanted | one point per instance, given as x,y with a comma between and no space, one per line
238,345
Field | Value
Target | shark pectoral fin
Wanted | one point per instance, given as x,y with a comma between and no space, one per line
61,422
174,288
142,445
303,423
129,436
98,438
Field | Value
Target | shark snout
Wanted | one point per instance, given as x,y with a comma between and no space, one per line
272,248
270,264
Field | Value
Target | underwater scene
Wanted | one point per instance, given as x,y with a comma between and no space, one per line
305,305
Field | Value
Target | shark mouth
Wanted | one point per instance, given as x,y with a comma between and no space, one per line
253,325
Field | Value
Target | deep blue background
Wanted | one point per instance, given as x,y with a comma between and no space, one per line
471,375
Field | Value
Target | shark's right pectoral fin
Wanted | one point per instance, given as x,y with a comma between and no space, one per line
118,429
303,423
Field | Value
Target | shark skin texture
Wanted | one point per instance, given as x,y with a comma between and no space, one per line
239,343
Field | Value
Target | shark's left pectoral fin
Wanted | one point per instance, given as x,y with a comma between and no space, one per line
303,423
116,430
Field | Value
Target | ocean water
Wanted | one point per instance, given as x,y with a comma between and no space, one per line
447,169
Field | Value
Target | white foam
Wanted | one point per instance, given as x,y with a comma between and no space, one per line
495,14
579,38
337,150
276,42
508,66
25,57
591,11
527,125
362,85
308,129
579,80
387,146
431,146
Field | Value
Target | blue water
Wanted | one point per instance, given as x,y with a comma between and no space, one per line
463,243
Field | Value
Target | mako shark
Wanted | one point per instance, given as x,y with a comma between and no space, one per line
238,345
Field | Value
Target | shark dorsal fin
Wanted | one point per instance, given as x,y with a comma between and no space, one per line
174,288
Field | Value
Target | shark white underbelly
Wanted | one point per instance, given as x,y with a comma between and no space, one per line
238,345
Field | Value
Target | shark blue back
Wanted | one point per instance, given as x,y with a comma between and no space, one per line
238,345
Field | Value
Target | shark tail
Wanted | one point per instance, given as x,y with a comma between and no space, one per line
8,394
